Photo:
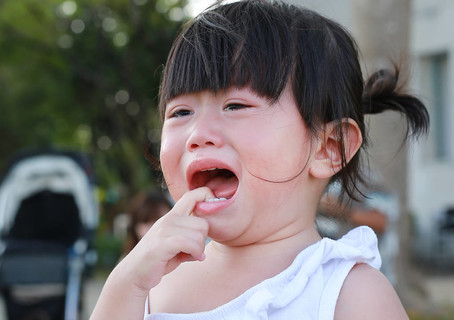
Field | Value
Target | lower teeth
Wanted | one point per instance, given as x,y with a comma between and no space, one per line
215,199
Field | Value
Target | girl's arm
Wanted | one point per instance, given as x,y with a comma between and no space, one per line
177,237
367,294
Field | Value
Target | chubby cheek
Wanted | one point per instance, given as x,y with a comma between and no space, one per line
170,156
280,158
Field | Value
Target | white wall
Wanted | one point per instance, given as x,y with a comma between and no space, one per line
338,10
431,178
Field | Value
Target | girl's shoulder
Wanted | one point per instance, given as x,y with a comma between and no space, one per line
367,294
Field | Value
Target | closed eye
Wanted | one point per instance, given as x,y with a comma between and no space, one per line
180,113
235,106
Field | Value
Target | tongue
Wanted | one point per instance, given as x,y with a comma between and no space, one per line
223,187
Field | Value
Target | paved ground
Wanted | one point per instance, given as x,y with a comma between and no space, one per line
92,290
440,290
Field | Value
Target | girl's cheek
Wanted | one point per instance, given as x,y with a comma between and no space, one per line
169,158
165,143
277,161
169,148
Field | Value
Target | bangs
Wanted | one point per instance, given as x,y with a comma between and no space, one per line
222,49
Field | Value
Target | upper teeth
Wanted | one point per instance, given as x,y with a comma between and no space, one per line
209,169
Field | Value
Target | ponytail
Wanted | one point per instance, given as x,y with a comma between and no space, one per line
381,93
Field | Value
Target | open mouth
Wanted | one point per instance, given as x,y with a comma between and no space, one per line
222,182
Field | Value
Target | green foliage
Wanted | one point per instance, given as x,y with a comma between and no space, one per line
85,74
109,249
444,313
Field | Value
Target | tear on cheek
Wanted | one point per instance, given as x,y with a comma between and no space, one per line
279,177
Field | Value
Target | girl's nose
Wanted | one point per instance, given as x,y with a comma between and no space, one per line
205,133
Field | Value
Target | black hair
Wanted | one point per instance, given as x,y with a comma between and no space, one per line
269,45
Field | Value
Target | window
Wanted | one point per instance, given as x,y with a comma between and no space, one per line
435,84
438,65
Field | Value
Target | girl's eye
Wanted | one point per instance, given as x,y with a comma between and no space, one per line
180,113
235,106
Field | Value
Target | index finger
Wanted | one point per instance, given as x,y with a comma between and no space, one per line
185,206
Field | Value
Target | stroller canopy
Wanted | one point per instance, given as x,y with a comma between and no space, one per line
61,173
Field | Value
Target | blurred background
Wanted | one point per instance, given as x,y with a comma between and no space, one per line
79,83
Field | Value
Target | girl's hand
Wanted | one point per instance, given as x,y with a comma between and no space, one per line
177,237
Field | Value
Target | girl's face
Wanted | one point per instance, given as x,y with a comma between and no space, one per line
252,154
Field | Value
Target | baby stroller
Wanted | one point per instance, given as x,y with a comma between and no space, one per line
48,214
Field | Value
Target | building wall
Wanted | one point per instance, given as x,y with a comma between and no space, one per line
338,10
431,184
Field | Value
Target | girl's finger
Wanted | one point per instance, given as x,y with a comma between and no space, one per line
188,222
185,206
191,244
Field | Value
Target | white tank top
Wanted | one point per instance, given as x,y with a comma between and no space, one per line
308,289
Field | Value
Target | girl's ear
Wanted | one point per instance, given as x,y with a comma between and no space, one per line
328,157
